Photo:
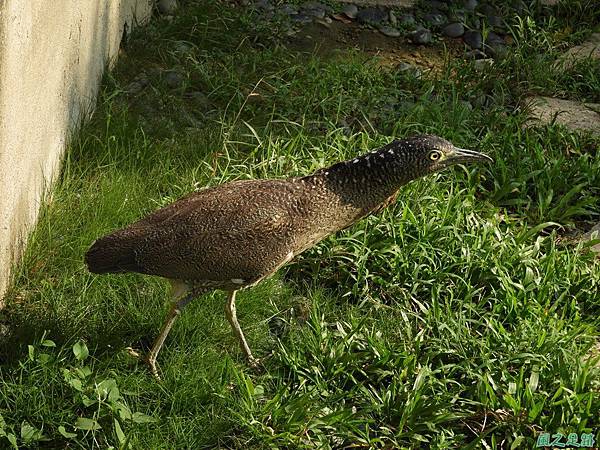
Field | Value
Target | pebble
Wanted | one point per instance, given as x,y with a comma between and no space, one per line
407,20
495,21
392,18
470,5
301,18
404,67
167,7
435,19
288,9
454,30
137,85
174,79
440,6
458,15
482,64
372,15
473,39
265,5
350,11
421,36
316,13
390,31
475,54
183,47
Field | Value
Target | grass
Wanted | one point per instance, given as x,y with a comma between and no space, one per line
463,316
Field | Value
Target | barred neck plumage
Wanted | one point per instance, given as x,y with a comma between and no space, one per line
370,179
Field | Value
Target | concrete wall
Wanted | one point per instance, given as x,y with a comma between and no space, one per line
52,55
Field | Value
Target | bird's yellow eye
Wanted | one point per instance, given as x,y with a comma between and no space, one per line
434,155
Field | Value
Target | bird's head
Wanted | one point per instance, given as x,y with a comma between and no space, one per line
428,153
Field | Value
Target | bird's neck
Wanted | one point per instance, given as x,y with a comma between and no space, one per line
365,183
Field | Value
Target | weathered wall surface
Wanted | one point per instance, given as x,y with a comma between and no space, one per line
52,55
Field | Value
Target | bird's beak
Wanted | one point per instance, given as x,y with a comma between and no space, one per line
461,155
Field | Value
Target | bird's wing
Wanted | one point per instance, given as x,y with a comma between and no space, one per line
237,231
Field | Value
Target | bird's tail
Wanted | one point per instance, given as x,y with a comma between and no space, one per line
114,253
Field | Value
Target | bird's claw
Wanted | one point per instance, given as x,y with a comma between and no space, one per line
148,359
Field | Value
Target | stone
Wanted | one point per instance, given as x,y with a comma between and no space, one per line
588,49
435,20
372,16
482,64
407,20
457,15
475,54
167,7
437,5
392,18
487,9
288,9
137,85
421,36
470,5
390,31
350,11
473,39
574,115
183,47
592,235
495,21
404,67
301,19
174,79
264,5
454,30
316,13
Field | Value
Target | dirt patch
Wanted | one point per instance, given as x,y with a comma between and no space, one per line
327,40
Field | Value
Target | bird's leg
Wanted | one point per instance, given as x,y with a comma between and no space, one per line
232,317
170,320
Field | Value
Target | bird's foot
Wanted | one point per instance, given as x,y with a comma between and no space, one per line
153,366
148,359
255,364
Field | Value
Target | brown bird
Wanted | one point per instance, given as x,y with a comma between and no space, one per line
236,234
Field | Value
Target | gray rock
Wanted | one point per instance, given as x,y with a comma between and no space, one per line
454,30
200,99
317,5
458,15
407,20
288,9
435,20
167,7
475,54
350,11
473,39
493,38
316,13
495,21
487,9
421,36
404,67
301,19
372,16
475,23
470,5
390,31
264,5
137,85
440,6
174,79
183,47
392,18
482,64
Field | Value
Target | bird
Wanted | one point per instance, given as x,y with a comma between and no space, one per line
234,235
